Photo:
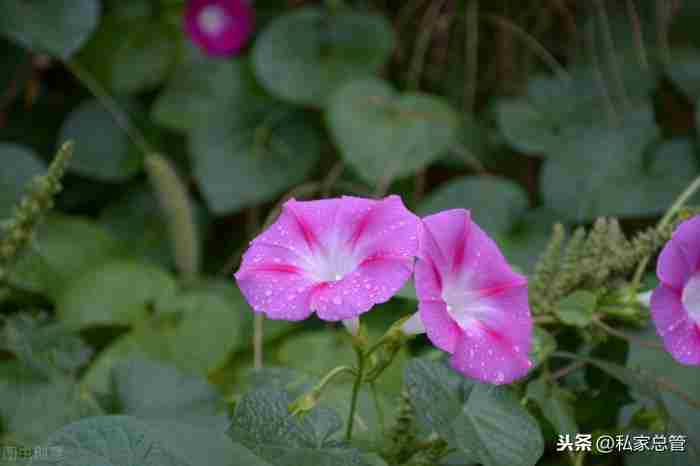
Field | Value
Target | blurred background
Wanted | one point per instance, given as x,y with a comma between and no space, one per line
526,112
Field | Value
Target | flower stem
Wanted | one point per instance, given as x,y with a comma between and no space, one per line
675,207
328,378
355,391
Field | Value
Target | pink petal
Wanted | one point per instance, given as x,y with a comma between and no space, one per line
460,251
443,239
379,227
375,281
680,334
486,354
273,281
681,256
442,331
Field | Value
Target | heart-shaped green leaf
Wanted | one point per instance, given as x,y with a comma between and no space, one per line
127,441
109,157
57,28
114,293
305,55
204,90
385,135
239,163
604,172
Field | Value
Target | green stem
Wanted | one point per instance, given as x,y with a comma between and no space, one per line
328,378
675,207
111,105
377,406
355,392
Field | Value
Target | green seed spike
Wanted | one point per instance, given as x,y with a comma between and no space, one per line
17,232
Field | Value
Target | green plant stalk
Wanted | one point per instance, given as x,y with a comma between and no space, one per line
355,392
17,233
665,220
120,117
175,202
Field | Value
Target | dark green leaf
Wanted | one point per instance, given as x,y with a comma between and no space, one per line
148,390
127,441
32,408
604,172
175,336
253,159
53,260
263,424
57,28
109,157
318,52
384,135
577,308
115,293
203,90
496,430
45,347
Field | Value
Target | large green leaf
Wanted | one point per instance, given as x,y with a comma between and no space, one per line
104,151
204,90
437,394
127,441
384,135
316,52
53,260
31,408
609,171
46,348
135,62
496,430
175,336
20,165
263,424
485,422
495,203
253,158
149,390
115,293
537,122
57,28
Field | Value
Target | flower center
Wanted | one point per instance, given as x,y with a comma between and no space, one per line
213,19
464,306
691,297
334,266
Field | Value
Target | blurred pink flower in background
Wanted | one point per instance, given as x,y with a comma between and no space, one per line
336,257
471,303
219,27
675,303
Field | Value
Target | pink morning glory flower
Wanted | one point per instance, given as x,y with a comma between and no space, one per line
335,257
219,27
471,303
675,303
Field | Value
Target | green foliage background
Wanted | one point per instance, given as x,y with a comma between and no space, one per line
122,321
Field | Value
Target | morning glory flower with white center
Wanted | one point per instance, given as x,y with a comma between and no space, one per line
675,303
335,257
471,303
219,27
